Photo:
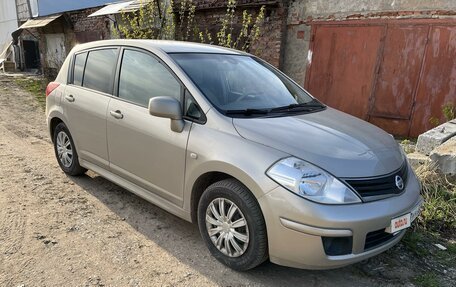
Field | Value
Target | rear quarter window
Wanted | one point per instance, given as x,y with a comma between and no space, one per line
78,72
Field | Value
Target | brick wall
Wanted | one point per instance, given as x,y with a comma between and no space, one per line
88,29
210,12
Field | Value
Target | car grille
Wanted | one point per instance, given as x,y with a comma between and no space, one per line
379,237
379,186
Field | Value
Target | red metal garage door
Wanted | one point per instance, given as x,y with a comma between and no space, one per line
343,65
396,74
437,85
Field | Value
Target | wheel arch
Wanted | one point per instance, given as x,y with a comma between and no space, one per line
200,185
216,171
53,124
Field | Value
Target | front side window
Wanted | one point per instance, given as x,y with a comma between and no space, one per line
244,84
79,64
99,70
143,77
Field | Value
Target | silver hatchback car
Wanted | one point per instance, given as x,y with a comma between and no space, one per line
221,138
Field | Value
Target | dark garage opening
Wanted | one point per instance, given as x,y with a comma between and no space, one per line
31,54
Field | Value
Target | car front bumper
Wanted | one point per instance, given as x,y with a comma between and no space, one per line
296,226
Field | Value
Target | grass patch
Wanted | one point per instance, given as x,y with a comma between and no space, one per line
422,244
435,225
408,145
36,87
414,241
438,214
426,280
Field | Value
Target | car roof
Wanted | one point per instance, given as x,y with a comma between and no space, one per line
164,45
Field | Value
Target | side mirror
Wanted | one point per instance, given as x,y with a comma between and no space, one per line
167,107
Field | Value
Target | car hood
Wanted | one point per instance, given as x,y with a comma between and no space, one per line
337,142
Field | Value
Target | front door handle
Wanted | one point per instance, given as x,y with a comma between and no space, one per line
69,98
117,114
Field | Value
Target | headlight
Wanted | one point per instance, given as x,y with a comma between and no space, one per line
311,182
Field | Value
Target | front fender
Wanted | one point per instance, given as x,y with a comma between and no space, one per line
219,151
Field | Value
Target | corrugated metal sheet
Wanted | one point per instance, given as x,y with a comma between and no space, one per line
39,22
116,8
111,9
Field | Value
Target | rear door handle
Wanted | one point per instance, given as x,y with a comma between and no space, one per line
117,114
69,98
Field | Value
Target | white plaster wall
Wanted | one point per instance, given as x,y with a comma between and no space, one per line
8,22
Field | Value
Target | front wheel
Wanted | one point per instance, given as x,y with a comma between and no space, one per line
232,225
65,151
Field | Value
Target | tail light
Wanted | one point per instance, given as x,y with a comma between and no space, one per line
50,87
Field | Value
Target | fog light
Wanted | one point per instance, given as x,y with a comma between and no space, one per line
337,245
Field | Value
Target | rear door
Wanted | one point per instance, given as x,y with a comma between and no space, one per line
86,102
142,148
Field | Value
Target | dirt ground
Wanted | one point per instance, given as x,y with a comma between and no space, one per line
57,230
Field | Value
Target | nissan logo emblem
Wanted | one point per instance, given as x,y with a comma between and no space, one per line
399,182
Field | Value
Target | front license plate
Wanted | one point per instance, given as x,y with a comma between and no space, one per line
399,223
404,221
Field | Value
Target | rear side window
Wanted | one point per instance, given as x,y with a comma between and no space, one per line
99,70
78,72
143,77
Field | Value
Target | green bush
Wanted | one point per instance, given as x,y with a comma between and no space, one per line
176,21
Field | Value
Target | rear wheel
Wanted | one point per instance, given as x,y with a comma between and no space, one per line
65,152
232,225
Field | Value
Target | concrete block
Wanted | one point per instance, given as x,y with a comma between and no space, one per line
9,66
444,157
417,159
435,137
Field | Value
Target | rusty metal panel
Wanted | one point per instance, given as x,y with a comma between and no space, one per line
437,85
393,126
343,66
399,71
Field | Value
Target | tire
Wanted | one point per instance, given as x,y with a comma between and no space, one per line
248,254
68,160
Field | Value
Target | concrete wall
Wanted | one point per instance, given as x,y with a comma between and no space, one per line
23,11
301,12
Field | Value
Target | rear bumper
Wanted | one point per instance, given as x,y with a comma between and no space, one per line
296,226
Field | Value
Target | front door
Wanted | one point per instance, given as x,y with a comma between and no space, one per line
143,148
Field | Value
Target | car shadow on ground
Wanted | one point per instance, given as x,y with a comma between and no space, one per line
182,240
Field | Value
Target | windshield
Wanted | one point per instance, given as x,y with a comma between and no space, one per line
236,83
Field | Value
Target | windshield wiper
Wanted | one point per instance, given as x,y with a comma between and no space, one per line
248,112
313,105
